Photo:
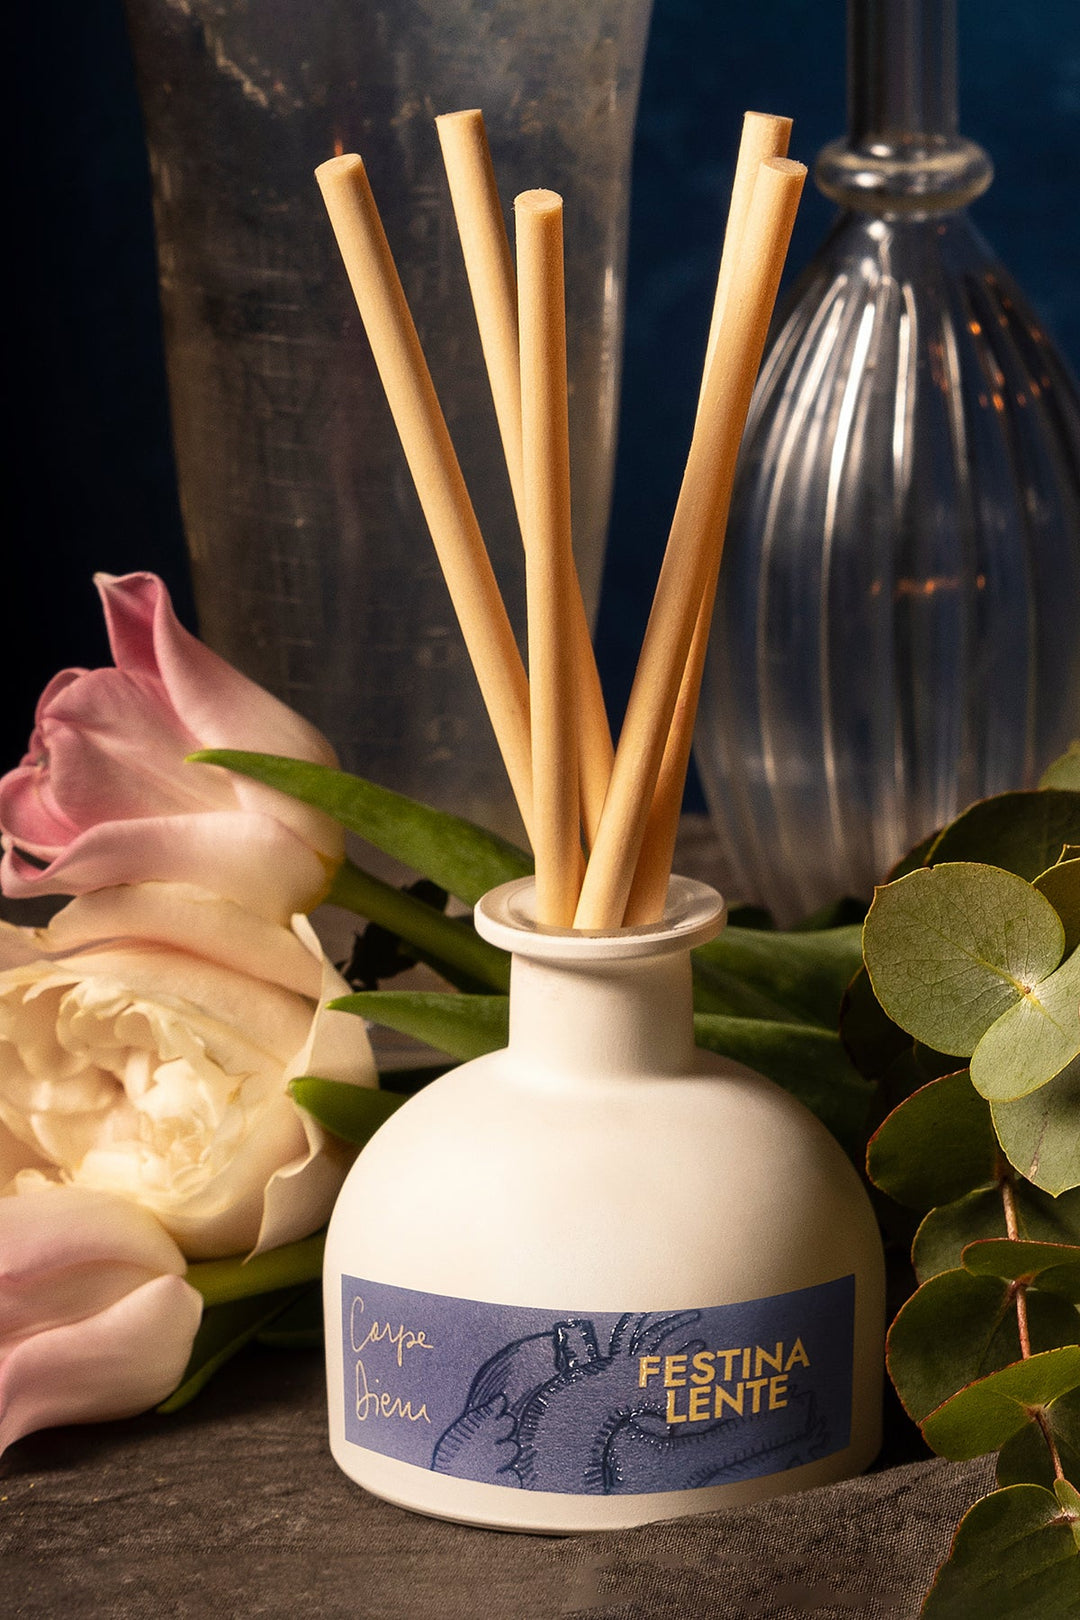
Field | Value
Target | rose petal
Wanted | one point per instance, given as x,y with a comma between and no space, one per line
224,1216
300,1195
116,750
110,1365
252,859
218,705
30,813
15,1155
73,1226
188,918
247,1013
17,946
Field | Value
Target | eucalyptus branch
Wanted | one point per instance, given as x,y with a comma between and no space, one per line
1019,1293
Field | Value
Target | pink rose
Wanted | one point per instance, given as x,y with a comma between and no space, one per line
96,1320
105,797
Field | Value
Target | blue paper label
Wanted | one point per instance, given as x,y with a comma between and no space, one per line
594,1402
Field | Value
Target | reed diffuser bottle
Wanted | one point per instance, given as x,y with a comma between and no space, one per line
601,1277
896,627
595,1278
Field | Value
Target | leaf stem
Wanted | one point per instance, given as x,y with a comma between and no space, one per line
1008,1199
436,937
221,1281
1019,1290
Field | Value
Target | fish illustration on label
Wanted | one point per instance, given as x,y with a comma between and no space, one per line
598,1402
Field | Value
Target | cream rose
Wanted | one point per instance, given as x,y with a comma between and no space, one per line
132,1064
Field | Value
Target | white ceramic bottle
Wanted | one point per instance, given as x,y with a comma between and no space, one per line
601,1277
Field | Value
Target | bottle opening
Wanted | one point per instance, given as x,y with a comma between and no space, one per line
506,916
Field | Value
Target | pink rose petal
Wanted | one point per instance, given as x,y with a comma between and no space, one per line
113,1364
252,859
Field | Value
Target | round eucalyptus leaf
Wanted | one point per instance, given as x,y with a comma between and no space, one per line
1053,1266
1026,1460
985,1414
1061,886
915,857
1014,1557
946,1232
1040,1134
1035,1040
957,1328
938,1145
1021,832
1065,771
871,1039
951,948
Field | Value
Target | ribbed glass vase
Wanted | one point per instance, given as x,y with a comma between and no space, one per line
898,624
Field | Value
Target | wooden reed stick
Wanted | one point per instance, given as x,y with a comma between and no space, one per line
764,135
648,892
549,558
693,551
489,266
433,464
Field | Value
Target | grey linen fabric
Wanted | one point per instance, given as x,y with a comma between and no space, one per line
235,1507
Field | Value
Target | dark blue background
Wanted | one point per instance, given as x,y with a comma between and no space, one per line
90,469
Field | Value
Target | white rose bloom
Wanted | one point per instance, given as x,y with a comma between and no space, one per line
135,1068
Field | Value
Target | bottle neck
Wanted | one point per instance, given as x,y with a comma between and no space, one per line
621,1018
902,153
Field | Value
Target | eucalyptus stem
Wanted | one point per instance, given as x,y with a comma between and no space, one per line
1019,1292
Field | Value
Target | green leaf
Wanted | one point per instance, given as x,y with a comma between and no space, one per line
740,916
1069,1498
1021,832
958,1328
1064,772
834,914
1013,1558
990,1411
946,1232
449,944
936,1146
456,854
791,977
871,1039
353,1113
1026,1460
1039,1135
223,1281
464,1026
223,1331
300,1325
1061,886
951,948
406,1082
1034,1041
916,857
1053,1266
808,1062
